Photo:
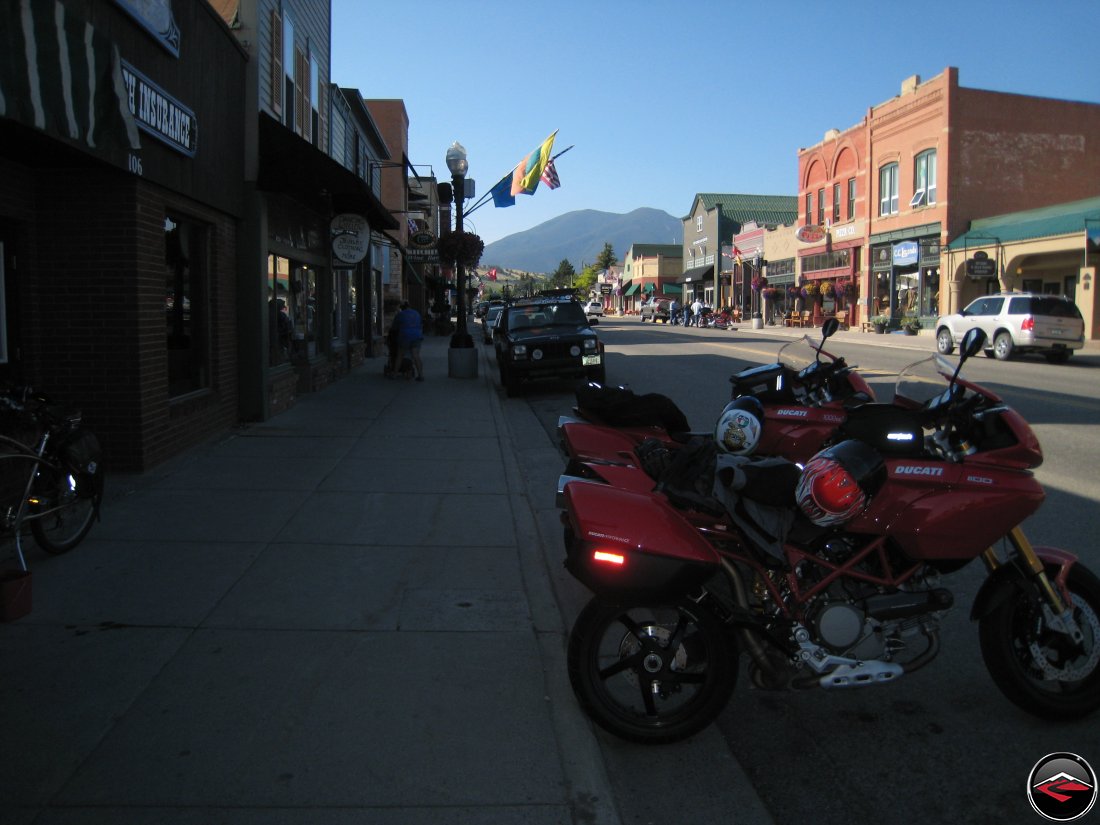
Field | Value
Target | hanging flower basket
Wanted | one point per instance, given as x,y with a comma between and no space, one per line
758,283
794,291
845,289
828,289
460,248
770,292
810,290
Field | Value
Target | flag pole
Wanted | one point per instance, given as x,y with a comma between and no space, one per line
489,193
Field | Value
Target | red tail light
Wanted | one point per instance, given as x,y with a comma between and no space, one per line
608,558
1028,324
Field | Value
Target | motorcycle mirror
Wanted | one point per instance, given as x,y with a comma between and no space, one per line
972,343
830,326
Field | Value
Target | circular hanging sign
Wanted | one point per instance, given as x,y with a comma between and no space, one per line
810,233
350,237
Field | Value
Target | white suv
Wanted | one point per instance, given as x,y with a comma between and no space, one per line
593,308
1017,322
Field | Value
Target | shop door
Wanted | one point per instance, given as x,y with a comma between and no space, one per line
10,367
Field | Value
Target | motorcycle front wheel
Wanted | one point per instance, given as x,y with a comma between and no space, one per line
60,515
651,673
1038,668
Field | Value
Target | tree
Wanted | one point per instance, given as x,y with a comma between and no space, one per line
606,259
563,275
587,279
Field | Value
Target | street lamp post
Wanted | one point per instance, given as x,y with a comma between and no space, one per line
460,362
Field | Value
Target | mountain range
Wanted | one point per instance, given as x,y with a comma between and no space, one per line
579,237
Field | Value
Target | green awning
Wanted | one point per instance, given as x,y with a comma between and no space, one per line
672,289
633,288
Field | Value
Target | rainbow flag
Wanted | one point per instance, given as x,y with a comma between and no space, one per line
526,175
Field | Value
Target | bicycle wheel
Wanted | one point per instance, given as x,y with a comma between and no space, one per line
60,517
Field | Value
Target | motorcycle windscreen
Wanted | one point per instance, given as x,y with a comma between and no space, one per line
626,544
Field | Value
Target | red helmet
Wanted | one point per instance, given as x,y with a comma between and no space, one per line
837,483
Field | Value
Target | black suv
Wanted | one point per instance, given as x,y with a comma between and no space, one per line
547,337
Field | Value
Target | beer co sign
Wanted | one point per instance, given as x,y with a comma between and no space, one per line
422,248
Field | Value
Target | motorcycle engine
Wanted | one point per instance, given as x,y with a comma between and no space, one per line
864,621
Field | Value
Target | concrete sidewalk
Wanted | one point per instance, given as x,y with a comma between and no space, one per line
339,615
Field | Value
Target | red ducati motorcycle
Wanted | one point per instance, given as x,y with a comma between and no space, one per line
806,395
830,575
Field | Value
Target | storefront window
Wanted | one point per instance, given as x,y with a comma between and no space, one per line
186,304
881,304
340,302
930,291
303,291
292,310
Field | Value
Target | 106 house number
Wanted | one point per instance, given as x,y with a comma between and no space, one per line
134,163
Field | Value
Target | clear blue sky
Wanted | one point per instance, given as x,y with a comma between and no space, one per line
665,99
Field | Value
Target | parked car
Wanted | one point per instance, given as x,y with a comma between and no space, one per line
546,337
593,308
655,309
489,320
1017,322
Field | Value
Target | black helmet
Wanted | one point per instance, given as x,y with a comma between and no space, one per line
838,482
739,426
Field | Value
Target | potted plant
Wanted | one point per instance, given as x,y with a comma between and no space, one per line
910,324
880,322
460,248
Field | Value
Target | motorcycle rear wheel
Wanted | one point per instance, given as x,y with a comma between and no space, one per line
651,673
1037,668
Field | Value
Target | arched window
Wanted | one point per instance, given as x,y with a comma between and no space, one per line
888,189
924,179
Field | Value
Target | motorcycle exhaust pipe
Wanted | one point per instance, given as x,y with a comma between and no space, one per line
755,649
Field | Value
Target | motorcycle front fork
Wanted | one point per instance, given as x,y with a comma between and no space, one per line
1056,600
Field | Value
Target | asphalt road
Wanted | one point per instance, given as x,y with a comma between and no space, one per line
940,745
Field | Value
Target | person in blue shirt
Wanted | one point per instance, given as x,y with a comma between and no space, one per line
410,334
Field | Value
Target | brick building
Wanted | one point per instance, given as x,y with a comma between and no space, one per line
120,196
883,198
650,269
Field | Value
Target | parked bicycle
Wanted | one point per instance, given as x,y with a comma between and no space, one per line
51,472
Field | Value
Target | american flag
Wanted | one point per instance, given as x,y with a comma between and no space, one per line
550,175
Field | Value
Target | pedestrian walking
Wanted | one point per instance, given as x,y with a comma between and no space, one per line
674,312
697,312
410,334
